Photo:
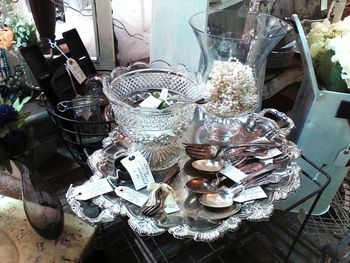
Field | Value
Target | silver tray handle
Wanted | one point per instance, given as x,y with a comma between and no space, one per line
286,129
107,215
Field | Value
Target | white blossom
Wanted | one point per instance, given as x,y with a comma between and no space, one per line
325,36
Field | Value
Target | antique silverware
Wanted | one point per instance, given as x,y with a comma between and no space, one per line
221,199
200,185
199,101
209,151
224,198
208,165
218,213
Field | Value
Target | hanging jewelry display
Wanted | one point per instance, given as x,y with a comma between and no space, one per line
5,72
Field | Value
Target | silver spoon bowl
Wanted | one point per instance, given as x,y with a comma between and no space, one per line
201,185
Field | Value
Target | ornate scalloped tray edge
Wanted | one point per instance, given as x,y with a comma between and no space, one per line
183,224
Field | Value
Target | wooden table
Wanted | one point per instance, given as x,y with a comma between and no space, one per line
69,247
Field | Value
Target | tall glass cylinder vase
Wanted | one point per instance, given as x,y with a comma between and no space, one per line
41,205
234,45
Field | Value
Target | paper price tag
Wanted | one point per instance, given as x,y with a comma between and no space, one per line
250,194
262,139
164,94
138,169
150,102
342,158
324,5
92,189
131,195
270,154
170,205
268,161
233,173
76,71
170,210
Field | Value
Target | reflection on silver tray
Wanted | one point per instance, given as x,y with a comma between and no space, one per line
187,223
216,214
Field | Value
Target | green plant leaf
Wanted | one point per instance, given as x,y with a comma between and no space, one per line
19,105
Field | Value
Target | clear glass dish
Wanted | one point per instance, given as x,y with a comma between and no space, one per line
154,132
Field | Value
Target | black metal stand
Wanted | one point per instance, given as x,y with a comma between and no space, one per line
81,138
316,193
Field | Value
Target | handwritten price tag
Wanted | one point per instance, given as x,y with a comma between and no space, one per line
131,195
75,69
233,173
138,169
92,189
250,194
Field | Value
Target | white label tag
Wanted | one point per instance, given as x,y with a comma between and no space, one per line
131,195
270,154
138,169
324,5
170,210
164,94
262,139
343,158
250,194
92,189
233,173
268,161
170,205
151,102
76,71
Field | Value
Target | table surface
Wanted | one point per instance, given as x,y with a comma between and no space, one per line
69,247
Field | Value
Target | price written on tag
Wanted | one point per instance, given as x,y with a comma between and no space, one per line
151,102
92,189
233,173
250,194
131,195
76,71
138,169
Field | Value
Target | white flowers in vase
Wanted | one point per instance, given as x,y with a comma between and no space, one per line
326,36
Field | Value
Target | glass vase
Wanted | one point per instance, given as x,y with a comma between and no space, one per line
42,207
234,45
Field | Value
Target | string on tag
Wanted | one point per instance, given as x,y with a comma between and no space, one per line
54,45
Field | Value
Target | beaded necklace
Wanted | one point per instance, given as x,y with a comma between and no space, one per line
5,72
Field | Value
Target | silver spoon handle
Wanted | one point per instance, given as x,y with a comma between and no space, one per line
251,176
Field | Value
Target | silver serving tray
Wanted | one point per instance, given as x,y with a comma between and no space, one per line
187,223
